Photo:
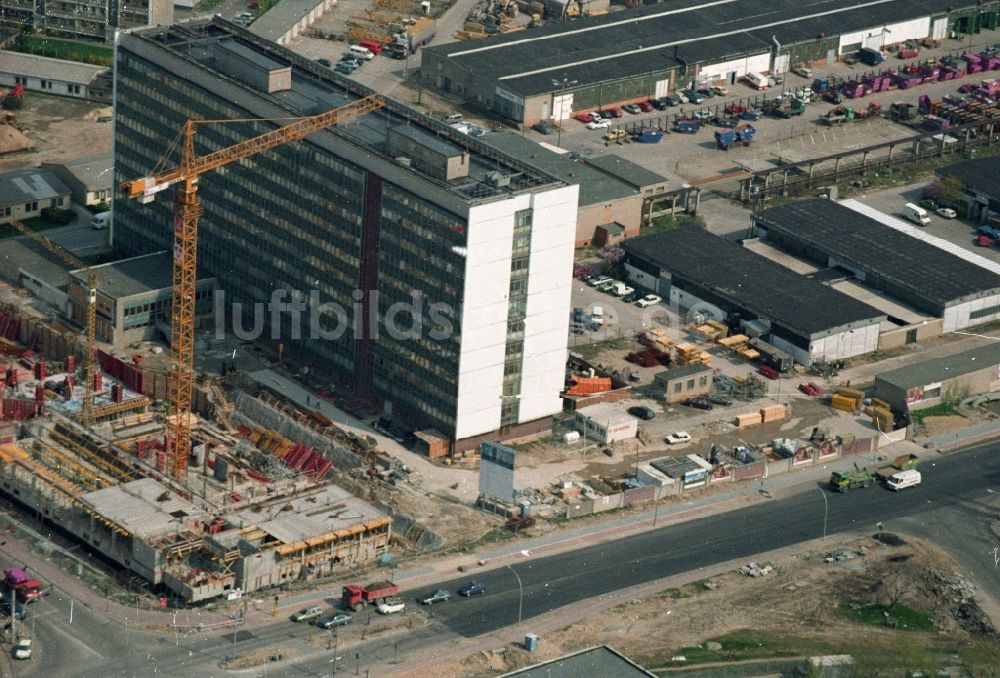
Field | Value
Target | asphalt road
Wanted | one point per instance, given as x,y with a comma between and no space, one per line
954,483
955,505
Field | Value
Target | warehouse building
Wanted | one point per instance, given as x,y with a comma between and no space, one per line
55,76
702,273
879,252
438,269
591,63
952,378
613,191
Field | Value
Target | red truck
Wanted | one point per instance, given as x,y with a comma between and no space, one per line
356,597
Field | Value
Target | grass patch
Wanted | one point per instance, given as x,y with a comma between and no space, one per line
674,594
939,410
906,618
34,223
206,5
666,222
741,645
64,49
591,351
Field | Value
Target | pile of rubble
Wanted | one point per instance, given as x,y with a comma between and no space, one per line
755,570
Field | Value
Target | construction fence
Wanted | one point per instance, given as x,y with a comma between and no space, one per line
726,473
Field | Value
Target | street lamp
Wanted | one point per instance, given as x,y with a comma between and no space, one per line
520,593
825,509
561,86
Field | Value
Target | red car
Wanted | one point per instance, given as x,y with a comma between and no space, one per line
583,117
253,5
645,106
614,112
579,270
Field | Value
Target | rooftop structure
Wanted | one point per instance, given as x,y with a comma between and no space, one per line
287,19
595,661
977,175
696,269
886,258
129,277
390,202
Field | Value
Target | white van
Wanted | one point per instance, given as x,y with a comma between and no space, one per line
757,80
101,220
903,479
916,214
361,52
597,315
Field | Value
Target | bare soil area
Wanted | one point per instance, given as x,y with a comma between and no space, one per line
805,606
60,129
933,426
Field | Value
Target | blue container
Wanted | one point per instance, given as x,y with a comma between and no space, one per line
530,642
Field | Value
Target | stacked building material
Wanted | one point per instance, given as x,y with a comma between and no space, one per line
843,403
583,386
688,354
748,419
773,413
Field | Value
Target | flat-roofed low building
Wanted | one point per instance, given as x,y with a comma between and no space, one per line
51,76
683,382
605,424
89,179
25,193
952,378
134,298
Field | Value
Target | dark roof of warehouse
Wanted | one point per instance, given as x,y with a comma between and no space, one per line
947,367
752,281
596,661
643,40
980,174
926,270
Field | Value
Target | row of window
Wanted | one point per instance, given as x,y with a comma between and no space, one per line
984,312
679,387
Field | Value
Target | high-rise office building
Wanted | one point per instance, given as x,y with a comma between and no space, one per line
435,271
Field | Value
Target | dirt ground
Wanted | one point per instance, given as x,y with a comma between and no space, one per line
804,602
933,426
60,129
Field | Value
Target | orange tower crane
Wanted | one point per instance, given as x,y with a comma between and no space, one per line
87,413
187,210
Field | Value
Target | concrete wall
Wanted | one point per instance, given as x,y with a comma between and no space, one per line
625,211
927,329
758,63
957,317
898,32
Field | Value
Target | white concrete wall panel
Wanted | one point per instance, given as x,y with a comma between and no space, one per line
484,315
550,283
758,63
642,278
958,317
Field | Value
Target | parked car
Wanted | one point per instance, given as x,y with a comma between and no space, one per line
23,649
699,403
307,613
579,314
543,127
584,117
633,297
803,72
659,104
613,112
694,97
323,62
681,97
946,212
631,108
438,596
678,438
19,610
331,620
720,91
717,399
473,588
645,106
648,300
594,282
599,124
351,60
390,606
706,92
609,452
622,291
643,413
344,68
704,114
